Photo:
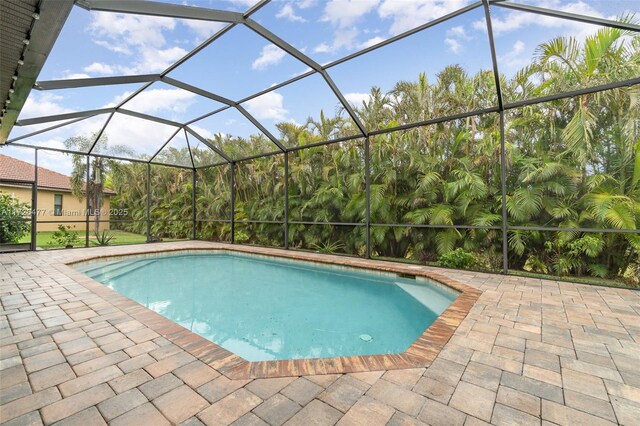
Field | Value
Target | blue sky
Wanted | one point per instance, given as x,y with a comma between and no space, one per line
95,44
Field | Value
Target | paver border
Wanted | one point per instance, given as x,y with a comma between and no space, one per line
421,353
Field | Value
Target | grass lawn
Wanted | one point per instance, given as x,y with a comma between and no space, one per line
45,240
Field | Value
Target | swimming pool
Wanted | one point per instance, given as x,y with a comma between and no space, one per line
264,308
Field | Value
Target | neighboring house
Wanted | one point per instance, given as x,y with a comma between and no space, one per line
55,202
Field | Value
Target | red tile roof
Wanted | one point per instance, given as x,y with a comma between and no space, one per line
14,169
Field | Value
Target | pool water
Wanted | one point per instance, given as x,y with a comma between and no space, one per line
270,309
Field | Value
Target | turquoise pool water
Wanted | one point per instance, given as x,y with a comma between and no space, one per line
270,309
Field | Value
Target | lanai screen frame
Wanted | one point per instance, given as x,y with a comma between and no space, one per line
233,19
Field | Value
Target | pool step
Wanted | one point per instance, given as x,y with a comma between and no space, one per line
424,294
115,270
92,267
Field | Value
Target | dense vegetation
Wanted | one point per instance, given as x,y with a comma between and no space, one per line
570,163
11,210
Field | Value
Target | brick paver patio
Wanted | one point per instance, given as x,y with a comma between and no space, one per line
530,352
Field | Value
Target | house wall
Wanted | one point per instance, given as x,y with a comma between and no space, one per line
73,208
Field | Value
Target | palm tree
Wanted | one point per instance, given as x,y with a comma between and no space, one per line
98,170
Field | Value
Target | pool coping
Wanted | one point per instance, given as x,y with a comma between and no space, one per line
421,353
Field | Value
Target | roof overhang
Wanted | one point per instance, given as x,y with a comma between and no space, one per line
29,30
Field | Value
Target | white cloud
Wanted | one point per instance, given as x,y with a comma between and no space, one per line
288,13
131,30
406,15
357,98
74,76
118,48
174,101
304,71
345,38
345,13
150,61
458,32
158,59
453,45
245,3
117,100
221,124
55,161
203,29
455,36
371,42
511,21
201,131
140,37
322,48
518,47
342,38
143,136
99,68
305,4
515,20
514,59
270,55
55,139
43,104
268,107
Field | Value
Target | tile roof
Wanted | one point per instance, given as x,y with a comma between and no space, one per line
14,169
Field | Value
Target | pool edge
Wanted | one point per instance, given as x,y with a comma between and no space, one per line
421,353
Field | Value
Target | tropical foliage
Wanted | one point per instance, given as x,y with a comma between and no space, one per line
99,168
13,213
437,189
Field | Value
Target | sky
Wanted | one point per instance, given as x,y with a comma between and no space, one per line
241,62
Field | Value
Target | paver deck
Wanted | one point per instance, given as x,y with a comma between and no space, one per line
530,351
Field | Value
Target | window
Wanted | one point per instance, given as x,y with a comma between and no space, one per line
57,205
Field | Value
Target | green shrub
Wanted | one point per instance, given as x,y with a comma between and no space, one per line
11,231
458,258
64,237
241,237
